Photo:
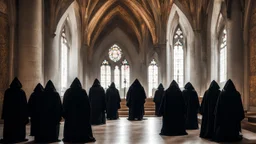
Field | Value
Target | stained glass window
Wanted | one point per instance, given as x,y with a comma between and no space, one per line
178,56
117,77
125,74
115,53
152,77
105,74
64,62
223,56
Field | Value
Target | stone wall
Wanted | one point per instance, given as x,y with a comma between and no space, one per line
252,45
4,53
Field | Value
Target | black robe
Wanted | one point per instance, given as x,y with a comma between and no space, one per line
77,113
113,102
173,110
14,113
135,101
192,106
229,113
50,115
207,110
34,109
98,103
158,99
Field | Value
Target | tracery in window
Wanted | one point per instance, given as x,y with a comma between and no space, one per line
115,53
64,62
178,56
152,77
105,74
125,74
223,56
117,77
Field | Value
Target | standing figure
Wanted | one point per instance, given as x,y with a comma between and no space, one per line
192,106
77,113
135,101
207,110
34,109
173,110
15,113
113,102
98,103
158,98
229,113
50,115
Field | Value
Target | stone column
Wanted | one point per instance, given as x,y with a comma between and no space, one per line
30,70
235,60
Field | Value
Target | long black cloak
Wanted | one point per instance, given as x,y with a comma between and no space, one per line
173,110
229,113
15,113
50,115
113,102
192,106
77,113
158,98
34,109
207,110
98,103
135,101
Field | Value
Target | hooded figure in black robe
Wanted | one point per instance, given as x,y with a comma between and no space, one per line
192,106
50,115
14,113
113,102
158,98
207,110
173,110
98,103
229,113
34,109
77,113
135,101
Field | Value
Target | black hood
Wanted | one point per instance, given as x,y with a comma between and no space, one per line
214,85
174,84
39,88
113,85
49,86
96,82
189,86
76,83
229,86
16,83
136,82
160,86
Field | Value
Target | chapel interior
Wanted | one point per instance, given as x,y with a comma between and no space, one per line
155,41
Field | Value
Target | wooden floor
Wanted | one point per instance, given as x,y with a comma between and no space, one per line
147,131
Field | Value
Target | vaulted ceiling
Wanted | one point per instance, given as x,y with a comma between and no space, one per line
139,19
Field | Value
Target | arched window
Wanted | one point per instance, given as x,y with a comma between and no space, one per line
64,61
178,56
125,74
105,74
152,77
117,77
223,56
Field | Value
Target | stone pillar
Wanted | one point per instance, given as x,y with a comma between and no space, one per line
30,70
235,60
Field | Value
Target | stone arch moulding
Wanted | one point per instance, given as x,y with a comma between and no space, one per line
53,59
178,17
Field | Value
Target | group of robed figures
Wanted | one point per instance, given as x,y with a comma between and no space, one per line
222,111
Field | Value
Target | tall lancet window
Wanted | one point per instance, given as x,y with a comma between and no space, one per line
105,74
125,74
178,56
152,77
223,56
117,77
64,61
